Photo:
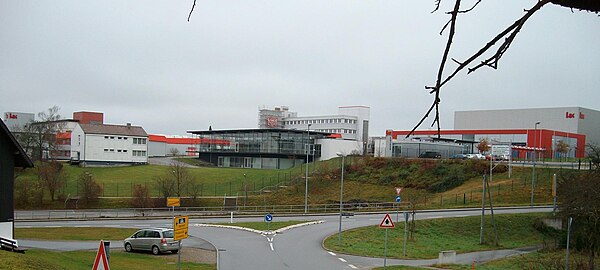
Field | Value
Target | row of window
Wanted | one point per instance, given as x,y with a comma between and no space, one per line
135,140
346,131
320,121
113,150
136,153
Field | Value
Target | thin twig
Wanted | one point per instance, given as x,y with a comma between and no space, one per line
192,10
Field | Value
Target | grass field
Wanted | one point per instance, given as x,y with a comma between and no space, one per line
74,234
80,260
433,236
536,260
324,186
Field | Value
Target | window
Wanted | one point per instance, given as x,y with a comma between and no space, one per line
124,150
105,149
124,138
112,137
112,149
119,150
119,138
105,137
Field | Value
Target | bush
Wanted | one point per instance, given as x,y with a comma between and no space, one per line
141,197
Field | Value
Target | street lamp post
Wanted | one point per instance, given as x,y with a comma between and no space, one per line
341,198
534,154
306,176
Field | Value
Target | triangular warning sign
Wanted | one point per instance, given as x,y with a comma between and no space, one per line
101,262
387,222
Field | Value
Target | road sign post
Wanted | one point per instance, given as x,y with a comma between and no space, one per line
101,261
386,223
405,231
180,231
268,219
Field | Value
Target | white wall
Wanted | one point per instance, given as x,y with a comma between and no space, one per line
6,230
92,147
330,147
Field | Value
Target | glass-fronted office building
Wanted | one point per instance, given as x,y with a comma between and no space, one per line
258,148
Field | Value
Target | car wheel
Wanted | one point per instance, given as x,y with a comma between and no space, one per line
155,250
128,247
175,251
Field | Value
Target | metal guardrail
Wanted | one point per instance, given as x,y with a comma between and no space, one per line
202,211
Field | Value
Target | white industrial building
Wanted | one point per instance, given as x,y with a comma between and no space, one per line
351,122
101,144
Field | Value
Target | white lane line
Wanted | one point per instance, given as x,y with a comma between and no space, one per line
342,259
51,226
352,266
83,226
461,216
271,244
331,253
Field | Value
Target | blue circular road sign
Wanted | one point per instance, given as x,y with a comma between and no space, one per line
268,218
398,199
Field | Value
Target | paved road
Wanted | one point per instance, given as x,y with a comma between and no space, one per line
298,248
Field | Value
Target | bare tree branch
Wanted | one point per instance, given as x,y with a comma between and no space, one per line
192,10
492,61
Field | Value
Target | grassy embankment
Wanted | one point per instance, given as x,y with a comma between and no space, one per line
427,183
80,260
435,235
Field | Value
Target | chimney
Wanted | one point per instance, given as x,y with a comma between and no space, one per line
128,125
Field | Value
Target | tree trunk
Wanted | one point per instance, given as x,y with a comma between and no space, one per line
588,5
591,262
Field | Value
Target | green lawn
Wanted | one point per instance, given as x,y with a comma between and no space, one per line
80,260
74,234
535,260
435,235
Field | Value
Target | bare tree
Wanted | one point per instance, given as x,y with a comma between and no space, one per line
483,145
38,138
500,43
91,189
562,148
141,197
175,182
174,151
52,175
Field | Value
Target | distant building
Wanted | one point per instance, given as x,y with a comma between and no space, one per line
102,144
16,121
268,148
523,131
351,122
11,156
163,145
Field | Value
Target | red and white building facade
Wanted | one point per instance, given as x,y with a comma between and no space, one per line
574,126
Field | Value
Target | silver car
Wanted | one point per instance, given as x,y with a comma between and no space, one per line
157,240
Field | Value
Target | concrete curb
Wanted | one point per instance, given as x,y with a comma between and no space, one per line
259,231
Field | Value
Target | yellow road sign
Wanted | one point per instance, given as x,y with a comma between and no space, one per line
180,227
173,202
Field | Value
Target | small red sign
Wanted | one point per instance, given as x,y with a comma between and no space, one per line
387,222
398,190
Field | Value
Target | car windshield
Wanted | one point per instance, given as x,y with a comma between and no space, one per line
168,234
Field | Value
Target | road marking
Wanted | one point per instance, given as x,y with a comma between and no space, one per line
83,226
352,266
271,244
331,253
342,259
461,216
51,226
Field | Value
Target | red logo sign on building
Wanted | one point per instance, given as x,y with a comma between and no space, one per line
272,122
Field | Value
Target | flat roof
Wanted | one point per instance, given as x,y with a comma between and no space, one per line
254,130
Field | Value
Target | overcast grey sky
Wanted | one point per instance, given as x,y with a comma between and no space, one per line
142,62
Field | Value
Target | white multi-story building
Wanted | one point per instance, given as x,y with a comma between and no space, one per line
100,144
351,122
